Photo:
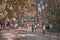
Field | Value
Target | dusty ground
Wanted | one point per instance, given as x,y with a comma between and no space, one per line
24,34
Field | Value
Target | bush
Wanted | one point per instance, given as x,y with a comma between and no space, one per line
55,27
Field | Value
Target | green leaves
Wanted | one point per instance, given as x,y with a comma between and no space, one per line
55,10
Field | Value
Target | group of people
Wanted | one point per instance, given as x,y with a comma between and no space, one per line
11,23
31,26
44,28
34,27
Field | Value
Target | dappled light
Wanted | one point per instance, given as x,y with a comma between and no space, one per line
29,19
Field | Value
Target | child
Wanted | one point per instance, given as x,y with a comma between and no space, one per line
35,27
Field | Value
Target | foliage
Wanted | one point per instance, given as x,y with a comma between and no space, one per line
11,6
16,3
55,10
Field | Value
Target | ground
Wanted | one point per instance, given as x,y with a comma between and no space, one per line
25,34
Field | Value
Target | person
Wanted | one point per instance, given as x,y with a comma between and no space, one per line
1,24
50,27
32,27
8,24
44,28
15,25
27,26
35,27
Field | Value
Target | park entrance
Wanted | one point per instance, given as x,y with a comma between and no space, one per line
25,20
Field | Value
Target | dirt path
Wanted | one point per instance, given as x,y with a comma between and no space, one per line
24,34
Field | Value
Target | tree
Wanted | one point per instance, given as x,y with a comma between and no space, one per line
54,9
12,5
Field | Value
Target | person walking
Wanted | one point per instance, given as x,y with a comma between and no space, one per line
44,29
35,27
32,27
51,27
